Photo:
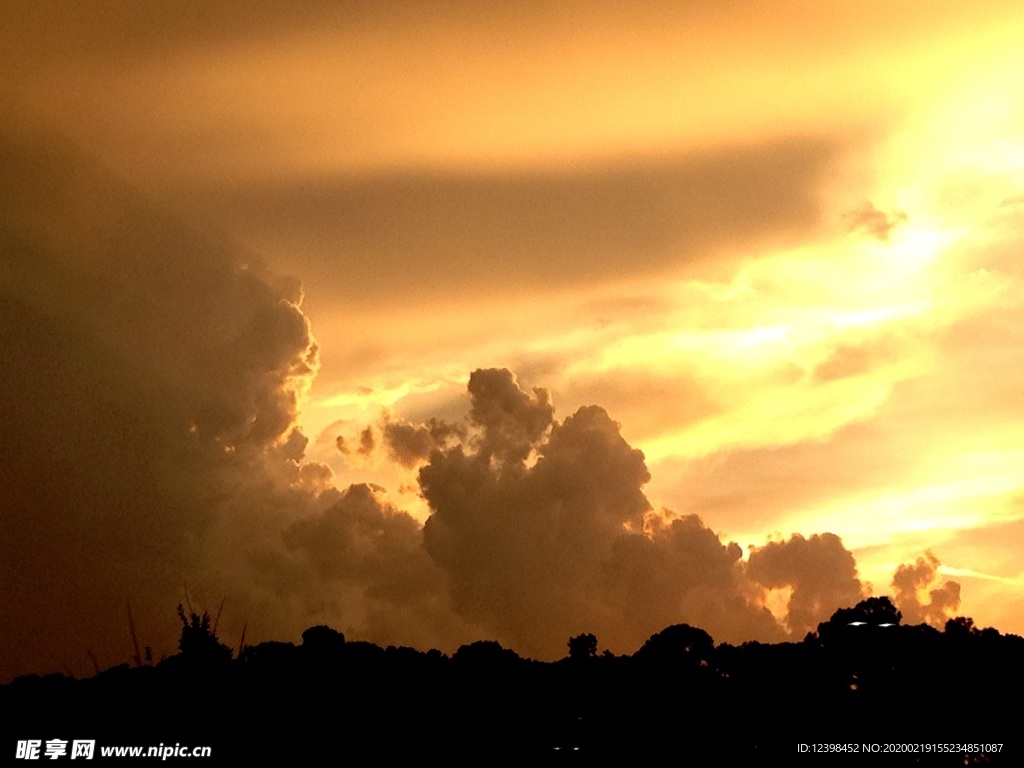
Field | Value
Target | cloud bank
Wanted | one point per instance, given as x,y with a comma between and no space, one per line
153,387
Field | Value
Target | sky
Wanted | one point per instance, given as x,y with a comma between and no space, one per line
443,321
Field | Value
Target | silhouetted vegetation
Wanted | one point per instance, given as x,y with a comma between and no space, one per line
582,646
198,643
863,678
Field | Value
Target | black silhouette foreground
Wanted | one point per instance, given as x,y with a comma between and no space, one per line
862,689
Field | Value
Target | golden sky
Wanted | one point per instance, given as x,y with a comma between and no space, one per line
777,242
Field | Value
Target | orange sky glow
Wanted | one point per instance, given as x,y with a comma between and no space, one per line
777,242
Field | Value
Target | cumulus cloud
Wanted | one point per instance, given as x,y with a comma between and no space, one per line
409,444
684,572
920,580
819,570
558,537
512,419
152,383
525,547
361,562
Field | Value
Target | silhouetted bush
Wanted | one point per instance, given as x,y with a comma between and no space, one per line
198,644
583,646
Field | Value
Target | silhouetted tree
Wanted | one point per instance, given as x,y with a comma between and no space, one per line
872,612
322,642
880,610
198,643
678,642
583,646
961,626
487,652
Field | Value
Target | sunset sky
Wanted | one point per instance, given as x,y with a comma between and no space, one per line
777,243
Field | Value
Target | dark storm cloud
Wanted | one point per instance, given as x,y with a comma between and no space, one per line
557,536
362,559
149,378
152,383
525,547
394,234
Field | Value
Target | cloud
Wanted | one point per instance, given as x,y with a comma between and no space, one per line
870,221
572,226
409,444
679,398
859,357
684,572
555,536
152,380
738,490
512,420
153,383
911,581
119,28
524,547
820,571
362,562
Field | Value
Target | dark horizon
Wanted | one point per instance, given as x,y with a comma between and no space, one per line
854,689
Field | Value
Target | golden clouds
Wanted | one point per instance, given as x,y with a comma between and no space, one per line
779,242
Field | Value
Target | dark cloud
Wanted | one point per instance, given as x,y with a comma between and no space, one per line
409,444
362,563
110,33
525,547
870,221
152,384
684,572
99,32
942,597
367,441
395,233
558,539
820,571
512,419
151,381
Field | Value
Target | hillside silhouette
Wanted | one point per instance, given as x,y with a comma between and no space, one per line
862,679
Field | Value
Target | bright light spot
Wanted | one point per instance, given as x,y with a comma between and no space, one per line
375,398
